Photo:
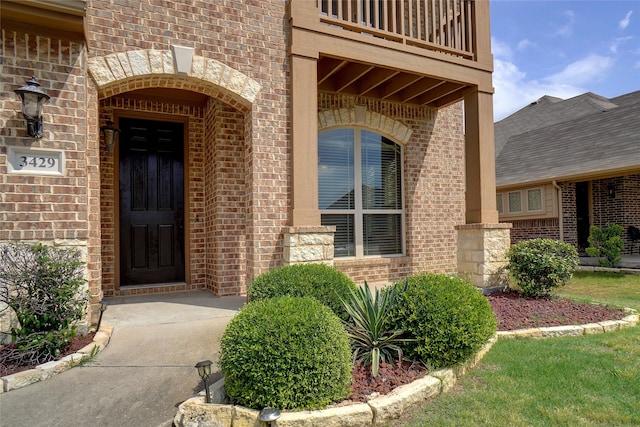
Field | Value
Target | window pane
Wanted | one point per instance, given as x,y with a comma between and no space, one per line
515,202
534,200
382,234
381,174
499,202
335,169
343,240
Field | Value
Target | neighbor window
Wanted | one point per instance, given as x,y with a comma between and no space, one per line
360,192
515,201
499,205
534,199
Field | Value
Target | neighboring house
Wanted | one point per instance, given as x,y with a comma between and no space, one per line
564,165
253,134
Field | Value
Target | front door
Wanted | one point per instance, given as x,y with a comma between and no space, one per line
582,212
151,202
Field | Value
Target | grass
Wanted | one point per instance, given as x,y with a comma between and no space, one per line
615,289
578,381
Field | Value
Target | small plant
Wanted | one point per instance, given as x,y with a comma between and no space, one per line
326,284
373,339
606,244
449,318
286,352
44,286
539,266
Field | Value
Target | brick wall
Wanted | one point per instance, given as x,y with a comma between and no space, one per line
569,215
534,229
623,209
433,186
59,210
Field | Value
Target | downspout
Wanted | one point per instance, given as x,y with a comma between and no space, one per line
560,216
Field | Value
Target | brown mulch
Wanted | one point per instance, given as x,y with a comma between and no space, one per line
78,343
513,312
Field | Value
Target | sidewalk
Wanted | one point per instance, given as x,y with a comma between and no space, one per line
141,376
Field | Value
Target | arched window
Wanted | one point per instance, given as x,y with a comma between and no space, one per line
360,192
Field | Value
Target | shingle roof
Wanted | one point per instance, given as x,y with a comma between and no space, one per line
556,139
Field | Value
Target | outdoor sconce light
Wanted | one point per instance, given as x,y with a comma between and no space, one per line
204,370
612,191
110,132
32,99
103,308
269,414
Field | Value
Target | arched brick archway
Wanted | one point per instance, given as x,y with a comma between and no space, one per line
216,133
361,116
177,69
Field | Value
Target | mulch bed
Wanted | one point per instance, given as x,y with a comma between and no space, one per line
8,369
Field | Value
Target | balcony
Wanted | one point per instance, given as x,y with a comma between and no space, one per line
424,52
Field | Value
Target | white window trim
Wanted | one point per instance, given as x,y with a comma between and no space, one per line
358,212
501,196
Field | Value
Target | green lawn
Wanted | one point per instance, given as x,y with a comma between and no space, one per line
576,381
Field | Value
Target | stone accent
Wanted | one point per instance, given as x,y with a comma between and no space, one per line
393,405
305,245
482,254
359,115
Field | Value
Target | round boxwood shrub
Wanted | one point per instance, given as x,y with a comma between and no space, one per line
539,266
286,352
449,318
326,284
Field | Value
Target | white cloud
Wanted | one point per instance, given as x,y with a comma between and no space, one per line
567,29
613,47
622,25
524,44
500,49
586,70
513,90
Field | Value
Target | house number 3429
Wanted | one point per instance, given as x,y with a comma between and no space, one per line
37,162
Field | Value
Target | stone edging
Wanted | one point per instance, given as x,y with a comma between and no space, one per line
50,369
378,410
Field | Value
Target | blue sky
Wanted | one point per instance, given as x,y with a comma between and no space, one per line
563,49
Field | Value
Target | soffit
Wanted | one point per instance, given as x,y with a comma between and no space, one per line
55,18
368,80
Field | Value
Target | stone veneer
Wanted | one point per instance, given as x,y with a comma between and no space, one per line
304,245
481,254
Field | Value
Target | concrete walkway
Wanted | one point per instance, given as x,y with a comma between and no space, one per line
141,376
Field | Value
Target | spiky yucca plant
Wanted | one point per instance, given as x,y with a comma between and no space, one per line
373,340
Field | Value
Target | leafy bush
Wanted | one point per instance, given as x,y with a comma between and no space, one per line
539,266
606,244
286,352
44,287
449,318
326,284
373,340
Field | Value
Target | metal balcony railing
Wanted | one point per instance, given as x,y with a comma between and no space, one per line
443,25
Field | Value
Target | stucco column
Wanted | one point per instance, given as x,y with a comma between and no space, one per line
304,133
480,160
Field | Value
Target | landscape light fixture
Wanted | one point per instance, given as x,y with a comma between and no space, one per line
110,132
204,370
32,100
269,414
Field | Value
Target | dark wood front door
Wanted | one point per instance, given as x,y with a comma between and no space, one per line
151,202
582,214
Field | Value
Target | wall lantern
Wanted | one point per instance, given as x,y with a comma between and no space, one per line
204,370
611,190
110,132
32,99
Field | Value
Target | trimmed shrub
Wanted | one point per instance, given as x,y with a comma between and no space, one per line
286,352
449,318
606,244
326,284
539,266
44,286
